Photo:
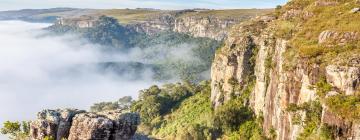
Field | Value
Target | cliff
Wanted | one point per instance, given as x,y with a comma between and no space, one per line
198,23
300,80
75,124
213,24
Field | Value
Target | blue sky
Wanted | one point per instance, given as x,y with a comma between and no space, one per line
159,4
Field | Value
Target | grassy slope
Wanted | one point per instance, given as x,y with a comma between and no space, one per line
192,111
231,13
126,16
303,33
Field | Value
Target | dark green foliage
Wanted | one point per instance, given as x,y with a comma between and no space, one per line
108,32
192,119
231,115
322,87
104,106
154,102
16,130
202,52
123,104
312,120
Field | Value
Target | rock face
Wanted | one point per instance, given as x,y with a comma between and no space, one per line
232,64
79,125
339,38
80,22
53,123
254,51
206,26
211,27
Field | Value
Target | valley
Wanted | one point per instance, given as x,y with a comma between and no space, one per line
289,73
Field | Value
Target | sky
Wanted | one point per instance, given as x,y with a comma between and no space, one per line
158,4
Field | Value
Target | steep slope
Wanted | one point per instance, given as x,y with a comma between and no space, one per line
305,65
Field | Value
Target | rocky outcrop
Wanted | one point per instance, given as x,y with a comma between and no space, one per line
232,66
79,22
339,38
346,79
325,3
75,124
53,123
197,26
211,27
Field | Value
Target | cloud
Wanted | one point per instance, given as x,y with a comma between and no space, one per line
39,72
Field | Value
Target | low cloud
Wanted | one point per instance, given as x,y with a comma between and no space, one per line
39,71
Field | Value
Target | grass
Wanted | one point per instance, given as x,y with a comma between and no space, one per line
230,14
304,39
127,16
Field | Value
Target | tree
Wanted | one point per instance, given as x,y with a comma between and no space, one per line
16,130
125,102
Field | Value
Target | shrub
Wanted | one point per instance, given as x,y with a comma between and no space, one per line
16,130
231,115
322,87
347,107
285,29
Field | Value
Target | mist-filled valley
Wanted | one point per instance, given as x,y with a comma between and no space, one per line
290,72
40,69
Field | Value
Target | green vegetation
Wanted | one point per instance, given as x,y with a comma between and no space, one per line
242,14
123,104
16,130
284,29
114,36
308,21
184,111
347,107
322,87
129,16
311,123
191,120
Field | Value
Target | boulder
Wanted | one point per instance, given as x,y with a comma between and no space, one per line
344,78
339,38
325,3
88,126
53,123
355,10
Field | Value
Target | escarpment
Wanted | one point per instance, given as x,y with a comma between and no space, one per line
212,24
300,90
75,124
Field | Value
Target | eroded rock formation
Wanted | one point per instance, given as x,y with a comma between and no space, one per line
75,124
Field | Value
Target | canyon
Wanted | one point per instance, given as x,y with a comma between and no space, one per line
298,73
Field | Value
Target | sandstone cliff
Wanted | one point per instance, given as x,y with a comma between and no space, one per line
198,23
75,124
257,57
208,23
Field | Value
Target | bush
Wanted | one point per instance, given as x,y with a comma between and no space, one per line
347,107
285,29
16,130
322,87
231,115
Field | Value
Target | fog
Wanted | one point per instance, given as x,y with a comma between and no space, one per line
38,71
